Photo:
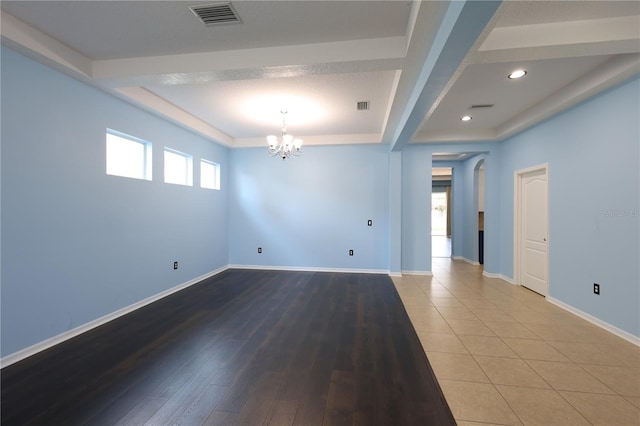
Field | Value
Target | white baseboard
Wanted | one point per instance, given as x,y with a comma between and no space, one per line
425,273
499,276
55,340
310,269
596,321
473,262
585,316
395,274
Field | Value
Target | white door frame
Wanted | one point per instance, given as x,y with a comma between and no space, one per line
517,225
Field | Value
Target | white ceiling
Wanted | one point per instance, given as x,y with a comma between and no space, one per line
244,108
421,65
127,29
509,97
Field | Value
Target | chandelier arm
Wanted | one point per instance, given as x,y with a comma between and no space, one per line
287,146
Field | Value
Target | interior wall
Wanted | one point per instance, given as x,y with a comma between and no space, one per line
470,208
416,210
416,204
395,213
78,244
481,189
594,189
309,211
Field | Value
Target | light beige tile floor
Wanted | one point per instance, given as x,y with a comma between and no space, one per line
503,355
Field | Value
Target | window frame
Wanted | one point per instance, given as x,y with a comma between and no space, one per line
147,166
216,174
189,169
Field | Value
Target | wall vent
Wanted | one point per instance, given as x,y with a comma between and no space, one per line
216,14
362,106
481,106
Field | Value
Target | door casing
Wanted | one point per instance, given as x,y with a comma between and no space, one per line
517,223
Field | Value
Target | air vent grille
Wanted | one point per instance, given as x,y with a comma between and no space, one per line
481,106
216,14
362,106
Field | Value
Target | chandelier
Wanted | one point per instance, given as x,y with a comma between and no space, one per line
286,146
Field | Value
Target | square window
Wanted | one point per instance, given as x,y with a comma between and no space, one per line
209,174
128,156
178,167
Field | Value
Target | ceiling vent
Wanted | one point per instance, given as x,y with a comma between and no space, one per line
481,106
216,14
362,106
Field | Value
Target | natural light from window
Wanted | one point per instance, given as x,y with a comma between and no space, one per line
177,167
128,156
209,174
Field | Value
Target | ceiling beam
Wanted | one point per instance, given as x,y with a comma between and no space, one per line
459,28
271,62
37,45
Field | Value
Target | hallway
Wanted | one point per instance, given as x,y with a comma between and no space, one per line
504,355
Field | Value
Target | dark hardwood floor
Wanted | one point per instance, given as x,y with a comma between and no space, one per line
241,348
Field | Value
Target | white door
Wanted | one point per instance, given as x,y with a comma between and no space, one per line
534,231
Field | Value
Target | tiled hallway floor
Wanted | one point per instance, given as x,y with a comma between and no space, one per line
504,355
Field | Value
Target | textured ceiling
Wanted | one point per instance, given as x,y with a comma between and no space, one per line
527,12
125,29
420,64
508,97
231,105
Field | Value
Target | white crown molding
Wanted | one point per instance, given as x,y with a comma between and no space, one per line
388,52
362,138
158,105
37,45
618,36
478,135
607,75
563,33
125,78
178,67
615,71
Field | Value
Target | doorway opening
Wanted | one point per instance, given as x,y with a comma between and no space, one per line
441,212
479,183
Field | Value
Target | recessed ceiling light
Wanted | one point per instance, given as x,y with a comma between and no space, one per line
466,118
517,74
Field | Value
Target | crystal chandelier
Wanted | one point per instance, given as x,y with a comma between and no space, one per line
287,145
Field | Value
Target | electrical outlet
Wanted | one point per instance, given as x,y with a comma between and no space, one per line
370,222
350,252
175,265
596,288
259,249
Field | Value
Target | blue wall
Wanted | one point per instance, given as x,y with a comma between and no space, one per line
470,207
416,209
395,213
78,244
416,205
594,186
309,211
